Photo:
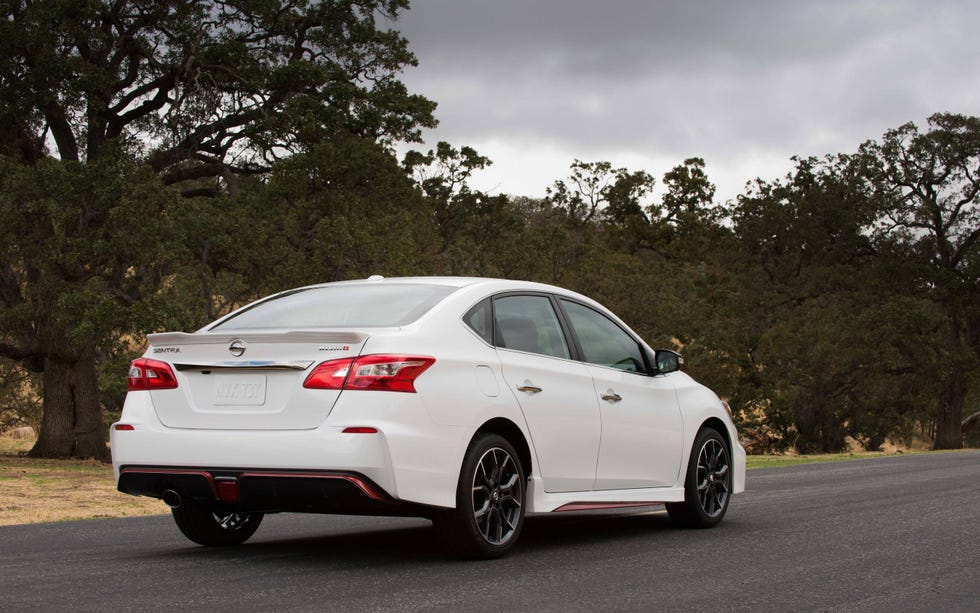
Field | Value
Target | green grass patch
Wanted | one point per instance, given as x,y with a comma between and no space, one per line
13,457
775,461
12,463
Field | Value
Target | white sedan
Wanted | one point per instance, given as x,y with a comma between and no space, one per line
468,401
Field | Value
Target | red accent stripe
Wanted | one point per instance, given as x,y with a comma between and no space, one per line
362,485
593,506
173,471
365,487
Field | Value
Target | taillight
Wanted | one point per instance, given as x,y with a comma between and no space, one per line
147,374
386,373
393,373
329,375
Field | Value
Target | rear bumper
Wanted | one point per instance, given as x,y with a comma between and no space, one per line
262,490
408,459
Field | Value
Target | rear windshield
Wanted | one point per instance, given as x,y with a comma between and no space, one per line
352,306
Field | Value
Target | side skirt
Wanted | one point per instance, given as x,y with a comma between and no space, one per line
545,502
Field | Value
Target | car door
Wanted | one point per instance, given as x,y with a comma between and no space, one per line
641,442
555,392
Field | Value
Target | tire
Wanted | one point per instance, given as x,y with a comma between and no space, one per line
708,486
490,500
208,528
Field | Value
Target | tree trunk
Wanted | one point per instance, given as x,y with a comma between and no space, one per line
832,434
949,412
71,426
806,428
952,396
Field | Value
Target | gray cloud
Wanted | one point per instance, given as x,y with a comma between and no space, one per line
667,80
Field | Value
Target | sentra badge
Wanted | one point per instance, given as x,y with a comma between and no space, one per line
333,348
237,347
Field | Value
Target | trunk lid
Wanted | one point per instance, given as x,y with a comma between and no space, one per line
249,380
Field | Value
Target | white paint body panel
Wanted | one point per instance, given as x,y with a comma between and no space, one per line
563,418
583,452
642,434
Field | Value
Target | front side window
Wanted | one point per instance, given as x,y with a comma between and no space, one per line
340,306
529,323
603,342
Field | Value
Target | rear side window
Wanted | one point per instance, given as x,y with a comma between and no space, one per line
479,318
340,306
529,323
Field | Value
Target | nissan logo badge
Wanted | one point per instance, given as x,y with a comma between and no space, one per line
237,347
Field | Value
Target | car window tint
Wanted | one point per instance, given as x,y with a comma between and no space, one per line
529,323
603,342
478,318
381,305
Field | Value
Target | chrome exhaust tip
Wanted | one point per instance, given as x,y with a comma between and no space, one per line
171,499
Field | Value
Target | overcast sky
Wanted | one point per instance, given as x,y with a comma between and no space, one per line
534,84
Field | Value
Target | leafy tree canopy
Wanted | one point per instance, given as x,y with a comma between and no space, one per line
202,89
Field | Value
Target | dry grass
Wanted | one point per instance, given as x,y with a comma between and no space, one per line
33,491
854,452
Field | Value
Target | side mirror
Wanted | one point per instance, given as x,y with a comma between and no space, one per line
668,361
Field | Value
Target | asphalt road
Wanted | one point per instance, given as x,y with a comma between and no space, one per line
891,534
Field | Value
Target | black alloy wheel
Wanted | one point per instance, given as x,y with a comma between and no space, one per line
209,528
708,486
490,500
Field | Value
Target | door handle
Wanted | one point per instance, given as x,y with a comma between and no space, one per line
527,388
611,396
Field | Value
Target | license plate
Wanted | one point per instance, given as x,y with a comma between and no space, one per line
239,390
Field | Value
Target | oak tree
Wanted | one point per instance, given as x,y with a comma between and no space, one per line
110,107
927,186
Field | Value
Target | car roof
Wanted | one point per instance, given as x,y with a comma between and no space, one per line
458,282
471,284
474,285
467,290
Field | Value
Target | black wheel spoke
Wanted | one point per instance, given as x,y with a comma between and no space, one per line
478,513
482,473
232,521
513,501
495,472
718,456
